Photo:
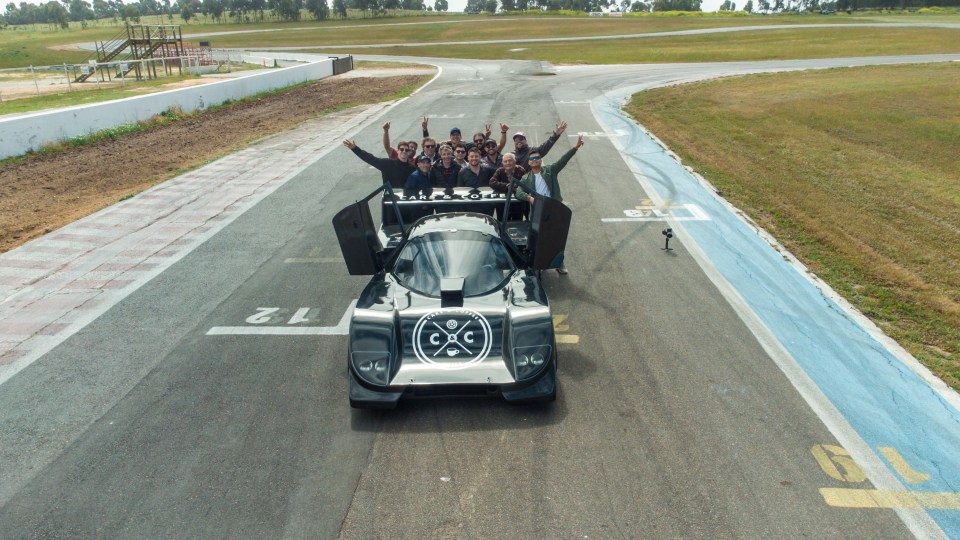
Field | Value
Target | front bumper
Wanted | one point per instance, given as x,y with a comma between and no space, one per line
539,390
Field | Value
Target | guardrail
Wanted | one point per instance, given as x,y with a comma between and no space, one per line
21,134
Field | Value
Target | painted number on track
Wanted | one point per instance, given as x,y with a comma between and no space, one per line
838,464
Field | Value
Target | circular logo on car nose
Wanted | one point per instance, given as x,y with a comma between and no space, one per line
452,338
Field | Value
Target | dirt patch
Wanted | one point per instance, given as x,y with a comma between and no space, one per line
44,192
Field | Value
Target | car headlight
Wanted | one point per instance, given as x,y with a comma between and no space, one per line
372,366
528,361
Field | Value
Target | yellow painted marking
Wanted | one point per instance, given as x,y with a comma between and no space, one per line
837,463
646,204
558,326
902,467
876,498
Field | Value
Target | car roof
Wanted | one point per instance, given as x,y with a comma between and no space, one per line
461,221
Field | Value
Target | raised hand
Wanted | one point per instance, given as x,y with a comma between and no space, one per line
424,123
386,126
561,127
504,128
579,141
350,144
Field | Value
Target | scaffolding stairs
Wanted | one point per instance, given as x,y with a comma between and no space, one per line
139,42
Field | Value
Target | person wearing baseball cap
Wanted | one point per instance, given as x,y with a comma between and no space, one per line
418,183
522,150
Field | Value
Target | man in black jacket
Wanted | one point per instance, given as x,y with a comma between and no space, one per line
394,171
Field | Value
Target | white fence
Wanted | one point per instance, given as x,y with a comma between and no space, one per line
21,134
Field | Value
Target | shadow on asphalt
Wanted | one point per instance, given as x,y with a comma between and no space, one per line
454,414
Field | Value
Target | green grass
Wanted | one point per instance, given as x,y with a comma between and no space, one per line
494,28
856,171
742,46
25,46
86,93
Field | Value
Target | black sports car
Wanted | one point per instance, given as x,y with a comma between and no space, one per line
455,305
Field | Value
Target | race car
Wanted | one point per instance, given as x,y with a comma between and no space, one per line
455,306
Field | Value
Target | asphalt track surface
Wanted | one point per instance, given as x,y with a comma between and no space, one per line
674,418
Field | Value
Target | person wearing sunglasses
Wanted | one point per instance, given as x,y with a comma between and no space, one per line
391,151
542,180
522,150
460,154
393,171
430,150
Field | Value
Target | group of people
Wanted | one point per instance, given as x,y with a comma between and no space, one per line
475,163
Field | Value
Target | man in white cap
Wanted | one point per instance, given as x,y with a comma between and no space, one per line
522,151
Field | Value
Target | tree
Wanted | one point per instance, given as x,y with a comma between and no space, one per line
288,10
56,14
213,8
319,9
748,7
676,5
130,12
239,9
185,8
441,5
80,11
490,6
639,7
340,8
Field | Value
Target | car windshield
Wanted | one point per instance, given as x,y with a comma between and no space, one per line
481,260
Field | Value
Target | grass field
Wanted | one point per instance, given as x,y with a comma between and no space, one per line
721,47
856,171
88,93
25,46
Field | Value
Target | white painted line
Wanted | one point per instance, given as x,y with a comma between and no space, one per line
655,214
296,260
341,329
277,331
572,102
599,134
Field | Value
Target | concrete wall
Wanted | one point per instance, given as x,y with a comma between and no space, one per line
21,134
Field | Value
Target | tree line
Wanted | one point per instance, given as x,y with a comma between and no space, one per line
61,13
